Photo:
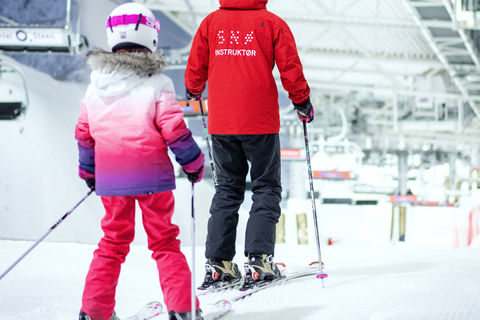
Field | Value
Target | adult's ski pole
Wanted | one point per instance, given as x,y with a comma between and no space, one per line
45,235
205,130
314,207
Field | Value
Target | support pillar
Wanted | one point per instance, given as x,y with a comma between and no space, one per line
452,162
402,187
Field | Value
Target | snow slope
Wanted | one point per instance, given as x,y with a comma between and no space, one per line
364,283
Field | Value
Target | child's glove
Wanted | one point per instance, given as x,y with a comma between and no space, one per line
89,177
304,110
194,169
192,97
195,176
90,183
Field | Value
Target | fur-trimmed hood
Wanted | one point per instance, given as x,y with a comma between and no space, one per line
134,63
116,73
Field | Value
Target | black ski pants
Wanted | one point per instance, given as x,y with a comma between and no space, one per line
231,153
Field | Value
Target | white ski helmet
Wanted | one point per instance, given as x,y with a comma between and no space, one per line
132,25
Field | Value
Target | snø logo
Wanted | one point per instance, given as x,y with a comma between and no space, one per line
235,38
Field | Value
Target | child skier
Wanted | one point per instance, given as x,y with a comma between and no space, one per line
129,118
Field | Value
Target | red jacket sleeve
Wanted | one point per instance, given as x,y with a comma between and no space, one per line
289,65
196,73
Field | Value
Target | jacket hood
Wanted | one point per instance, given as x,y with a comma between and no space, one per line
134,63
243,4
116,73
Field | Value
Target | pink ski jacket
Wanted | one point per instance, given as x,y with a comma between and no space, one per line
129,118
235,49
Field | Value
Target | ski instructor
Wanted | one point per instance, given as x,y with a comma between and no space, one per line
236,48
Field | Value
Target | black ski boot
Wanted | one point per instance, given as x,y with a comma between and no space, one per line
84,316
172,315
259,270
219,274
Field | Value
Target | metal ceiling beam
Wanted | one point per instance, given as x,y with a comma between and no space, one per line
441,54
461,32
177,8
383,91
351,69
313,59
308,17
355,21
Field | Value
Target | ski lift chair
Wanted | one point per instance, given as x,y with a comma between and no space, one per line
11,110
12,107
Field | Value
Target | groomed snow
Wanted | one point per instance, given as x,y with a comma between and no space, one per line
375,283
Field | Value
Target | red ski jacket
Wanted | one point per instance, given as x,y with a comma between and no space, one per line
236,48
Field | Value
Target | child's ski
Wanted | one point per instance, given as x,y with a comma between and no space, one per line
219,310
149,311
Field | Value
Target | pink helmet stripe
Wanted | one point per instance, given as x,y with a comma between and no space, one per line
133,19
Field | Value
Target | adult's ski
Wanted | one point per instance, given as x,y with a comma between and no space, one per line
309,271
219,288
149,311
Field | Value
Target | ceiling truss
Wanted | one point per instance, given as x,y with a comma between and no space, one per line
390,53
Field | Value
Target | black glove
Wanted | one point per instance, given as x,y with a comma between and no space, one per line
304,110
192,97
90,183
194,176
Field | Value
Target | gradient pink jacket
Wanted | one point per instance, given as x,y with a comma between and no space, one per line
236,49
129,118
